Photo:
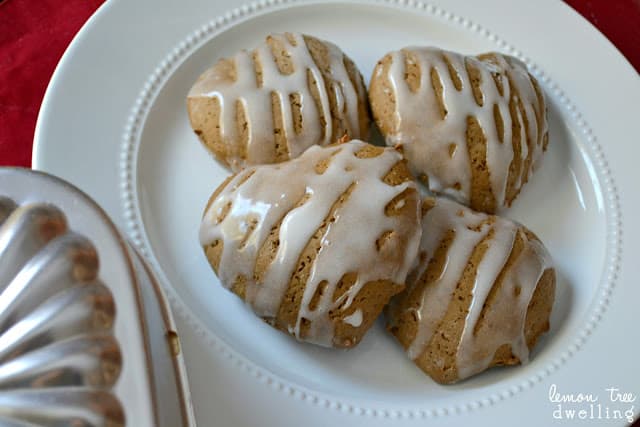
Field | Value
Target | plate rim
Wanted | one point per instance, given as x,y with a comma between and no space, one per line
135,228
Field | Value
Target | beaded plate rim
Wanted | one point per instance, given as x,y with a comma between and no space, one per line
128,161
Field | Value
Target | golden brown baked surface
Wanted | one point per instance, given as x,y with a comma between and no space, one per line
270,104
316,246
471,127
480,296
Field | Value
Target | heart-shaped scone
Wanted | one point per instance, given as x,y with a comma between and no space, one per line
471,127
480,294
270,104
317,246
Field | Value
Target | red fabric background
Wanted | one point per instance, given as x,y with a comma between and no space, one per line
34,34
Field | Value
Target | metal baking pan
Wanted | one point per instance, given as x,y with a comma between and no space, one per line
86,334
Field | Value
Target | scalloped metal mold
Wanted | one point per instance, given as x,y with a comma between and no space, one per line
84,332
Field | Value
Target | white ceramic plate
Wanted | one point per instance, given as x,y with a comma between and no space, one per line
114,122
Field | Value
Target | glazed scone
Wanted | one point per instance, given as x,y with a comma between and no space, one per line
473,128
270,104
317,246
480,294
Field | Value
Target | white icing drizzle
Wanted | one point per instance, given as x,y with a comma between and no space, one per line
508,312
437,222
354,319
257,100
427,138
272,194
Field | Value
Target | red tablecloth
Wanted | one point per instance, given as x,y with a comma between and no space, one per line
33,37
35,33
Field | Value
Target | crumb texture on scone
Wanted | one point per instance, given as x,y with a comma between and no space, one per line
317,245
270,104
480,294
471,127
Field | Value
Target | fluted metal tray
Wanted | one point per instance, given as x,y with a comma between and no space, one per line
86,335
